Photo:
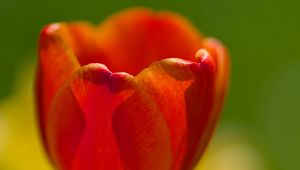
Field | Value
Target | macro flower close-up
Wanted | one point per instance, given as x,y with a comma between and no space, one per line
141,90
149,85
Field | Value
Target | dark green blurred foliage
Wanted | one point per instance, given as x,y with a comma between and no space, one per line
261,35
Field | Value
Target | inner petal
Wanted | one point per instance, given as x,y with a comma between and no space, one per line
133,39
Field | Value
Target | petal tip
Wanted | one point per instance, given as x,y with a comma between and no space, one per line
52,27
95,73
202,55
119,81
204,60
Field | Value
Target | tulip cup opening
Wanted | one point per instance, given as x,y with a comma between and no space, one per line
142,90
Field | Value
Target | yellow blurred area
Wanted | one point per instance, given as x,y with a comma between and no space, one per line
21,149
231,149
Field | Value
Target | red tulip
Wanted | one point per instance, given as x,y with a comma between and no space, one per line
129,93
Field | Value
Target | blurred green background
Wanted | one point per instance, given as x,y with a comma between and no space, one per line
262,36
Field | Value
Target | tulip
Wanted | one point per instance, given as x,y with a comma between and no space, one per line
142,90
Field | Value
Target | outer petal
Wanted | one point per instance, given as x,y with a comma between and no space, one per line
220,87
134,38
57,63
62,49
220,55
183,91
122,127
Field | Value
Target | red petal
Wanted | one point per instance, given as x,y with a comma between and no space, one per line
85,45
62,49
123,129
220,55
219,87
142,134
64,128
56,64
183,92
135,38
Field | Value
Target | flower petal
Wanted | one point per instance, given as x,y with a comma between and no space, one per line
123,128
84,43
220,55
220,87
141,132
135,38
183,92
57,63
64,128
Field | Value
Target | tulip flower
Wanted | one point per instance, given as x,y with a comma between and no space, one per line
142,90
